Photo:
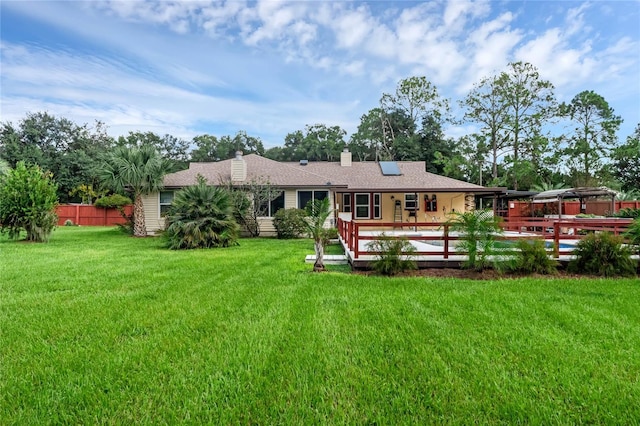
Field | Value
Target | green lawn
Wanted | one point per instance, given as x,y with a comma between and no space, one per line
98,327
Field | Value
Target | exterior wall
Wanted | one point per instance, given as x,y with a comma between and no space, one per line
152,217
446,203
155,223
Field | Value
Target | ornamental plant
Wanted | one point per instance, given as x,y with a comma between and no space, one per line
201,216
28,199
602,254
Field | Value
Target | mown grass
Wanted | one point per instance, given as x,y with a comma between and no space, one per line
98,327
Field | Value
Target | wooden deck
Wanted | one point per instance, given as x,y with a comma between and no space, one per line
435,245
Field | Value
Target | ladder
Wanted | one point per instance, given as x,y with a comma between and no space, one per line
397,212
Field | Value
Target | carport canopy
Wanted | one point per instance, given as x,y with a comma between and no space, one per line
572,193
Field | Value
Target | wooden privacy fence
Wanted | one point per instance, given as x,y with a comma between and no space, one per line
87,215
557,231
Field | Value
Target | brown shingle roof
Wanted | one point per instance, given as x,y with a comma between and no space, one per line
360,176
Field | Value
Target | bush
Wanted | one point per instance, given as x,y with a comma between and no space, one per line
532,258
628,212
28,198
69,222
289,223
602,254
395,255
201,216
113,201
633,235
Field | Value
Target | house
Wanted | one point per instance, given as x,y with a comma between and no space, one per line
400,192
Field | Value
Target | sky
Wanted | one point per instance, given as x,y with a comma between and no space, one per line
271,67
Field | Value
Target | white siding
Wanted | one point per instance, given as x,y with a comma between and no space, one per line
152,213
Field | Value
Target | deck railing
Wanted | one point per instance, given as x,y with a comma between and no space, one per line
542,228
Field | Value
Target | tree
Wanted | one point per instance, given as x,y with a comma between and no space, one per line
478,230
251,201
139,170
201,216
484,106
592,138
317,213
416,102
4,167
205,149
626,162
172,149
528,103
317,142
27,202
367,143
69,151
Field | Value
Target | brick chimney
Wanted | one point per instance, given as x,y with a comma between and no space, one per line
345,158
238,168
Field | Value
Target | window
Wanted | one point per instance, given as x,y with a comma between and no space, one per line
273,206
346,203
305,196
166,198
410,202
376,206
362,206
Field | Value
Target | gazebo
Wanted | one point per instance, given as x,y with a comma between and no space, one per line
575,193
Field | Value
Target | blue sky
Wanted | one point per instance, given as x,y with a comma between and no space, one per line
272,67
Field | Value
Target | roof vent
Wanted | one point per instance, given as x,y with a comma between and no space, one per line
390,168
304,162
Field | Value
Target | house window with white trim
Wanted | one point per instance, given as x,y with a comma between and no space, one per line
346,203
377,214
362,206
305,196
410,202
166,198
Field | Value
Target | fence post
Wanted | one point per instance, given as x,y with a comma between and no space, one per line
77,222
556,239
356,238
446,241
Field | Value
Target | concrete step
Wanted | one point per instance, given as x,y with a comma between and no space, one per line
329,259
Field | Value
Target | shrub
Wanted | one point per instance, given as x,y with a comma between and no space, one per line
28,198
478,230
532,258
602,254
113,201
328,235
201,216
628,212
633,235
69,222
289,223
395,255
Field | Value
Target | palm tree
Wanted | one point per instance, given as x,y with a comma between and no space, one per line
201,216
548,186
317,213
139,170
478,230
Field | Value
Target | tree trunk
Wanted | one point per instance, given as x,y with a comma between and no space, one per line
319,265
139,225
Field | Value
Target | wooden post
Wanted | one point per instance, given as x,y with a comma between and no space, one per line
356,252
77,222
446,241
556,239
